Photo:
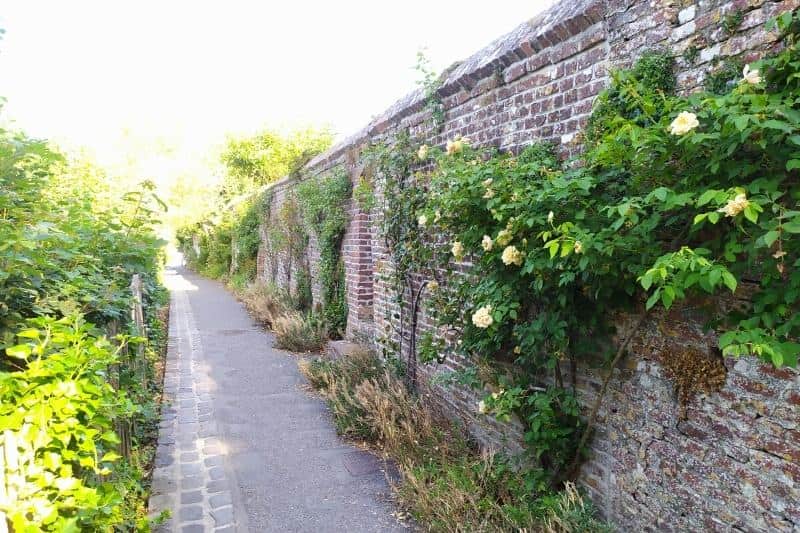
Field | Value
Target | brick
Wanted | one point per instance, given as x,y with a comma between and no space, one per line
648,470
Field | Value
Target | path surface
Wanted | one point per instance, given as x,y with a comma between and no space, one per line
242,447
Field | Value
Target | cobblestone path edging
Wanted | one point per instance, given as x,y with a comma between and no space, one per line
190,478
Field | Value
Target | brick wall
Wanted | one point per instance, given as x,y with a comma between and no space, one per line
734,463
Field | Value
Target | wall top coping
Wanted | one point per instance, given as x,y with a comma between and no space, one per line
564,19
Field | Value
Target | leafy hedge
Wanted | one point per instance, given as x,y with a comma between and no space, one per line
69,246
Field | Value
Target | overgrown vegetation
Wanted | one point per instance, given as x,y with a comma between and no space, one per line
323,205
676,200
75,373
225,246
224,243
445,482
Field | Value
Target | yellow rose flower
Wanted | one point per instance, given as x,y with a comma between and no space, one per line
735,206
482,407
482,318
488,194
422,220
437,216
504,237
512,256
458,250
455,146
683,123
487,182
750,76
422,153
433,285
487,243
577,247
550,217
517,350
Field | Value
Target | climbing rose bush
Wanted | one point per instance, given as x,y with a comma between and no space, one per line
675,199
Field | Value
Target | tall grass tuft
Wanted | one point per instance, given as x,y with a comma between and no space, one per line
446,483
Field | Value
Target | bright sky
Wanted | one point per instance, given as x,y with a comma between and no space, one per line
187,72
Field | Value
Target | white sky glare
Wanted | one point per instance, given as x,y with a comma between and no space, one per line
81,72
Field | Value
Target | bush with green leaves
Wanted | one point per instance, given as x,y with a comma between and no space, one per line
675,201
69,245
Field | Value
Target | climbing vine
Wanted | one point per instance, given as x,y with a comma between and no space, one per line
676,201
323,202
402,196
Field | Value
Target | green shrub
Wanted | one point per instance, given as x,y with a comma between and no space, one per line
70,247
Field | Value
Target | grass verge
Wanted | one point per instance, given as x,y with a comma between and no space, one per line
445,482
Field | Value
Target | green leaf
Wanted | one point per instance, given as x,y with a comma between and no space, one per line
770,237
729,281
706,197
751,214
20,351
792,227
792,164
110,457
667,297
647,280
726,338
653,299
777,125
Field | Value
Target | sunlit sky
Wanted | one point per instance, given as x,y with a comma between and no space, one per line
185,73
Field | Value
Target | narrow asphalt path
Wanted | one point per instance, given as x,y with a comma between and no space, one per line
241,446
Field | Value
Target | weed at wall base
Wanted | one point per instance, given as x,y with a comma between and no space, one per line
446,482
299,333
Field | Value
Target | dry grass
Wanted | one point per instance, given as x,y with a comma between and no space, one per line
265,302
446,484
293,330
298,333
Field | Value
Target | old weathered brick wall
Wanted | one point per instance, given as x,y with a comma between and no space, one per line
734,463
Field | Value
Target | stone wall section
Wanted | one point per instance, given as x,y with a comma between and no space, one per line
733,464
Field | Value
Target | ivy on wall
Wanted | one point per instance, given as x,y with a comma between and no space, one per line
323,204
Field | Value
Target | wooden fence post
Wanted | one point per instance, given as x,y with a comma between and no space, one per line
137,317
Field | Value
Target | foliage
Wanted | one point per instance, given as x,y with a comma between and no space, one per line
69,247
364,194
268,156
64,382
429,83
322,202
62,252
653,75
444,481
675,199
402,199
725,77
731,22
229,236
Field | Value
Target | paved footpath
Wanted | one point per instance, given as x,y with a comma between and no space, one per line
241,446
